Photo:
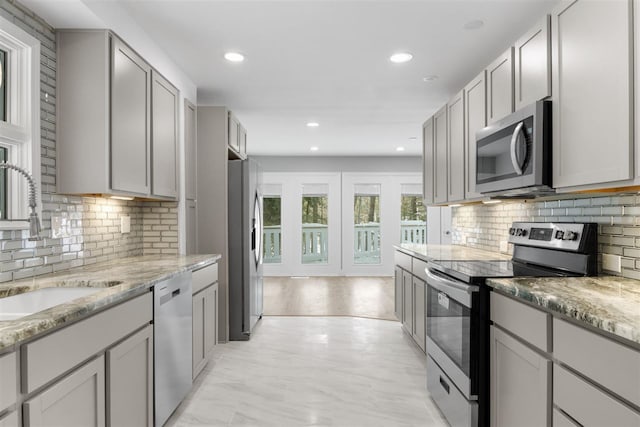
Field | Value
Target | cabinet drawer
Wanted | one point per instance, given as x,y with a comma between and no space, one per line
526,322
588,405
613,365
204,277
10,420
55,354
418,269
403,260
8,378
455,407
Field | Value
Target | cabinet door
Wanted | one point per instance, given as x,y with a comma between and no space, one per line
520,392
164,137
8,380
407,302
198,355
243,141
428,161
130,120
191,151
500,87
398,293
475,95
419,312
440,149
210,319
130,385
593,93
455,148
234,138
76,400
9,420
533,64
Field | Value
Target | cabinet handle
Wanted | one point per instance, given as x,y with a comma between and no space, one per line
444,384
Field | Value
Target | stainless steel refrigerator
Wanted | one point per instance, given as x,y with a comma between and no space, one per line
245,248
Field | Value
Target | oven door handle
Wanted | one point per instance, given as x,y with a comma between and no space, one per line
514,155
459,291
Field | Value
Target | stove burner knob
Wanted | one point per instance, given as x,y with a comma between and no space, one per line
559,234
521,232
570,235
512,231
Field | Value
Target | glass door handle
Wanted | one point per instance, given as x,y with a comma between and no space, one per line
514,142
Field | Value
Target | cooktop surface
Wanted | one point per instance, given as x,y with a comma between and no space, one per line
474,271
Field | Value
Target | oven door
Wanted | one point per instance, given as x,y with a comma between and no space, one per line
453,328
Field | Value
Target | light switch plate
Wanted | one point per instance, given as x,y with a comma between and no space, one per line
125,224
612,263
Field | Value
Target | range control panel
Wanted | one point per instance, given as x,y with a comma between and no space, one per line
556,235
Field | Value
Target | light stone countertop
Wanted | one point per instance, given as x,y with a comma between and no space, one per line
608,303
133,276
449,253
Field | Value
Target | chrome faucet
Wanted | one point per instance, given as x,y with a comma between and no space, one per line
34,221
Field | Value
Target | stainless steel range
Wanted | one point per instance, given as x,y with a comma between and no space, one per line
458,310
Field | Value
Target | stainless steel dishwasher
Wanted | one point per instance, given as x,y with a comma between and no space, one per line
172,343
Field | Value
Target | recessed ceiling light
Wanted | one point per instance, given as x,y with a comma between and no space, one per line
399,148
314,148
473,25
234,57
313,124
429,78
401,57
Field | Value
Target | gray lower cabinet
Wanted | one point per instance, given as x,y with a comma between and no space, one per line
8,376
76,400
419,312
164,137
398,293
407,302
520,383
9,420
205,328
130,381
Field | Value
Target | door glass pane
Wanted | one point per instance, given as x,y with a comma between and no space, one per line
272,220
413,216
366,224
315,224
3,184
3,85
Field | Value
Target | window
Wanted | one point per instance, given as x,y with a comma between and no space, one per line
19,121
366,223
272,223
413,216
315,224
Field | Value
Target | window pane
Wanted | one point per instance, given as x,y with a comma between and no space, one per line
272,220
3,86
315,228
3,184
413,220
366,224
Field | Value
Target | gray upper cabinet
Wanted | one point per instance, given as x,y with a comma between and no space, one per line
592,93
130,118
427,162
164,137
455,148
440,156
191,150
237,138
533,64
475,96
104,120
500,87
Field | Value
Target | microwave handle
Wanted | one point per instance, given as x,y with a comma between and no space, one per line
514,141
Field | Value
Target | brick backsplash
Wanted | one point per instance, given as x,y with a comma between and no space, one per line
618,218
93,232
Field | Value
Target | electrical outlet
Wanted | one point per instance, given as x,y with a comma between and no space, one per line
612,263
504,246
125,224
60,225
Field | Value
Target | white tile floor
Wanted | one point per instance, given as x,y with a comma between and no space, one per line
314,371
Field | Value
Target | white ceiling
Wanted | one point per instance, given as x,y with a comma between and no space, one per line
321,60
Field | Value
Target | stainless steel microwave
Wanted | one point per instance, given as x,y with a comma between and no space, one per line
513,155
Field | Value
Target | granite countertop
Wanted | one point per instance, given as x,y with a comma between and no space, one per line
120,279
450,253
608,303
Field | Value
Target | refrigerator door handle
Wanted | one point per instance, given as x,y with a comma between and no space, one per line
253,236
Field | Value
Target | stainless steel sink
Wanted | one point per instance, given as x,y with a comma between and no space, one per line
17,306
